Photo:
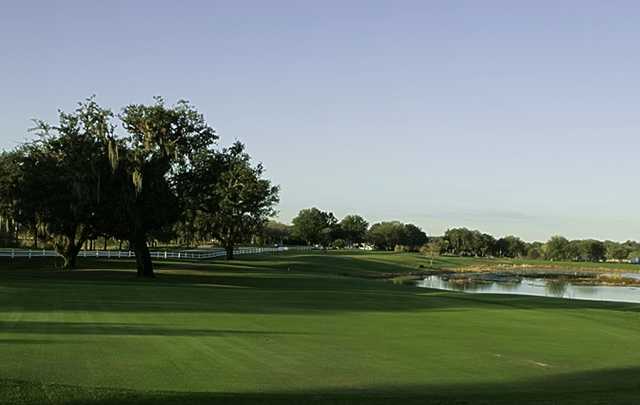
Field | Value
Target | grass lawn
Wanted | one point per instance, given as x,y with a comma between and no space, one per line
301,328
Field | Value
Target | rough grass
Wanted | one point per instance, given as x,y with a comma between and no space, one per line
301,328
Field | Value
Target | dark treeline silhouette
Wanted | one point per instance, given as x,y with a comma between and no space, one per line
465,242
316,227
150,173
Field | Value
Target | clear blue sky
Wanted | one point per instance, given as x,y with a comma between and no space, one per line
509,116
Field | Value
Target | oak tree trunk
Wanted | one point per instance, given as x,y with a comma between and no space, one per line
229,249
143,257
70,253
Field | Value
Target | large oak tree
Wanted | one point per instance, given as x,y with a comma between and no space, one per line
162,143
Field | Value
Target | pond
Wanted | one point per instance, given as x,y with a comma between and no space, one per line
544,287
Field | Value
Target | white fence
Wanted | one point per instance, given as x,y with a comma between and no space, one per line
155,254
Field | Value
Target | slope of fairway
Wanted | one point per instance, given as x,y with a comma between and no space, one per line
305,328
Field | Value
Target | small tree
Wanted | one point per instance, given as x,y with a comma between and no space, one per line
432,249
414,237
558,248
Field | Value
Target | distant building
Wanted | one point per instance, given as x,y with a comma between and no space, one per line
635,260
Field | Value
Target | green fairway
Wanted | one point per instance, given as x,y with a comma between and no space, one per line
301,328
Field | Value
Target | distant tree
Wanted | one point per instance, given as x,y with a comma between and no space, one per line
558,248
634,254
535,250
619,253
464,242
314,226
486,245
442,243
631,245
455,238
276,233
354,229
511,246
591,250
339,243
616,251
575,250
331,232
413,237
386,235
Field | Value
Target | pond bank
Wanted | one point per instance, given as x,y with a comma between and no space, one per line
551,267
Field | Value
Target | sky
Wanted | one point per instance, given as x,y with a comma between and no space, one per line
511,117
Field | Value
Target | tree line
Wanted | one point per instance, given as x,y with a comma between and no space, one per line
149,172
465,242
313,226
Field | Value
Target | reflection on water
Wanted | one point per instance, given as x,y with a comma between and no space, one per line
556,288
535,286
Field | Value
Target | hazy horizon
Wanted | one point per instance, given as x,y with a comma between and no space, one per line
506,117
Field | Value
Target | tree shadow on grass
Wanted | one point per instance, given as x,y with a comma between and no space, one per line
268,286
323,264
605,386
266,295
122,329
37,341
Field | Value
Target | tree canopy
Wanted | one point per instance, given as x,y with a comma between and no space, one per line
354,228
232,197
146,173
389,235
314,226
63,173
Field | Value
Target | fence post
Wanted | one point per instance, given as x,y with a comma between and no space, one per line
29,254
13,254
165,254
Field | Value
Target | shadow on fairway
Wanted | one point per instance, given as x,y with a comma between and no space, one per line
38,342
124,329
289,284
608,386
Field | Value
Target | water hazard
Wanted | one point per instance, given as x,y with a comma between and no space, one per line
537,286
